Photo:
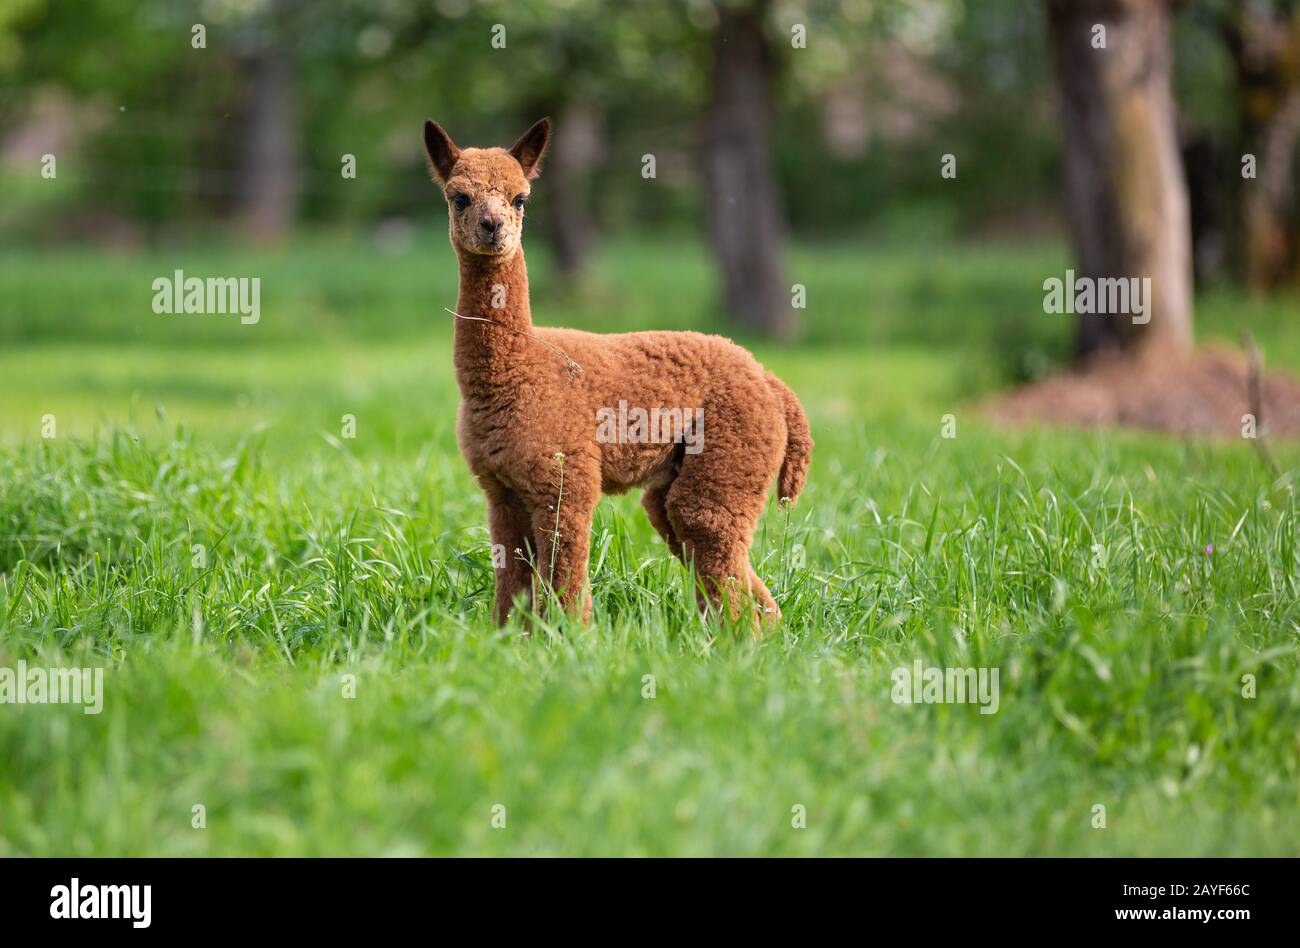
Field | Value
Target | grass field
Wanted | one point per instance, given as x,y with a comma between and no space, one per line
199,527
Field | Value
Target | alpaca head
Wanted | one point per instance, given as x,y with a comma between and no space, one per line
486,188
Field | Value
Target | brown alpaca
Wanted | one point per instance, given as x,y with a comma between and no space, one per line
543,412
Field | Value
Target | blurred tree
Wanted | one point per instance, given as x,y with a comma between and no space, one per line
268,174
744,206
62,46
179,142
1126,197
567,59
1263,39
442,61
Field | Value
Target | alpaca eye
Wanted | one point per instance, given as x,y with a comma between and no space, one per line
519,202
460,201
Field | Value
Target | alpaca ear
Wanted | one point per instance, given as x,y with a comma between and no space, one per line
441,150
531,146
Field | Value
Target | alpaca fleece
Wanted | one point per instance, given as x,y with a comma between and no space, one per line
529,415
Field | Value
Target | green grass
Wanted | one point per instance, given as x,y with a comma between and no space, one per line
1075,563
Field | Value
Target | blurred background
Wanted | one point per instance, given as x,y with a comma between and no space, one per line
919,167
159,141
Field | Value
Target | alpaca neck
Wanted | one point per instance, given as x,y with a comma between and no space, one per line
495,290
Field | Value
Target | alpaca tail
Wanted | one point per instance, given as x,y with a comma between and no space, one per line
798,443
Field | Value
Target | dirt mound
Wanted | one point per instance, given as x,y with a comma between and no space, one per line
1202,393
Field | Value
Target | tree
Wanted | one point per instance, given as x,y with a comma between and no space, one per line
1264,43
744,208
268,174
1126,197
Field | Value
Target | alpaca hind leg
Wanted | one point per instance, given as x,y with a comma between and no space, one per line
715,542
655,502
758,589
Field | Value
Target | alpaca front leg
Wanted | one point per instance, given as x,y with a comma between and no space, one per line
562,559
512,549
562,531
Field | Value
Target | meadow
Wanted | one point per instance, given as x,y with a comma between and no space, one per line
295,625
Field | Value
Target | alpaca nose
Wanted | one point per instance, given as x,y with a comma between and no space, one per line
490,225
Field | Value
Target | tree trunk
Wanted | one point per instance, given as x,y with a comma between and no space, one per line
269,181
569,225
1269,215
1264,43
1126,197
744,212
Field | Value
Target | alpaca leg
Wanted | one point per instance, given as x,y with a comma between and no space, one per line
562,531
715,541
713,506
512,547
655,502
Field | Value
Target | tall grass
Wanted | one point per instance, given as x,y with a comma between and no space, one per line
200,528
